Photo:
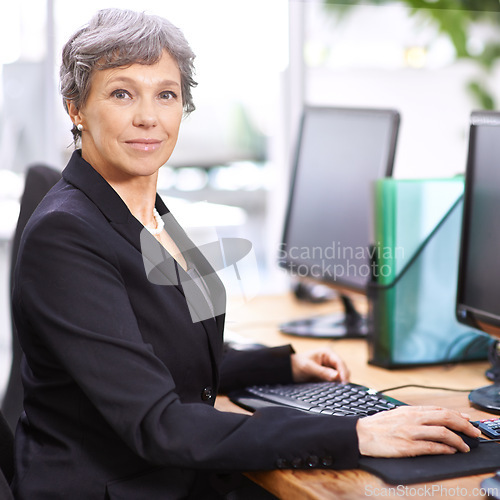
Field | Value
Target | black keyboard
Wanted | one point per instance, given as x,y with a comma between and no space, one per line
327,398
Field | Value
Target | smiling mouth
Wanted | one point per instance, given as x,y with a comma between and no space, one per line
144,144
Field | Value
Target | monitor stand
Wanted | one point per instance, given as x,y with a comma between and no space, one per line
486,398
493,372
348,324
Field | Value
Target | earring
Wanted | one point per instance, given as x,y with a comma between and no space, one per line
79,127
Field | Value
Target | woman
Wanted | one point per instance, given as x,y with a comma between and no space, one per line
120,378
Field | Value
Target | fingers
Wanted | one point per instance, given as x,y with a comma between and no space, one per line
439,434
411,431
450,419
330,358
320,372
304,369
419,448
320,364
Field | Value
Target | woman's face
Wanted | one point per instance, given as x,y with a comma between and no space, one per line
131,118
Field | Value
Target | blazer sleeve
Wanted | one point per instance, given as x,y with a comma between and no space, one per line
69,285
255,367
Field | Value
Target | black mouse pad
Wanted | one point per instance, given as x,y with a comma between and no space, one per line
484,458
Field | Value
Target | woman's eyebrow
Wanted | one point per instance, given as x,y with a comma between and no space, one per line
132,81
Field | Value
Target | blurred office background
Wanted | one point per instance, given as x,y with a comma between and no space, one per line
258,62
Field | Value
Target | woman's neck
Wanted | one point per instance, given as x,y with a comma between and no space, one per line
139,194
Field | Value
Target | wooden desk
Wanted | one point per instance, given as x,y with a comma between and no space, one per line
258,320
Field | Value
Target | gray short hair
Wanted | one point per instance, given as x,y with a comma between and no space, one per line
117,37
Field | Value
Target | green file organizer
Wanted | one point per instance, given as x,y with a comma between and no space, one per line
412,300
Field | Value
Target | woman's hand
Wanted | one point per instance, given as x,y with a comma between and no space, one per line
319,364
409,431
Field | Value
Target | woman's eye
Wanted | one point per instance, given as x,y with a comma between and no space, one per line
167,95
121,94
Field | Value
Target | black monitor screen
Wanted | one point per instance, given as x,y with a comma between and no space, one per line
478,297
328,228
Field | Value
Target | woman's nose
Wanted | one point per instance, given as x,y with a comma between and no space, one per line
145,115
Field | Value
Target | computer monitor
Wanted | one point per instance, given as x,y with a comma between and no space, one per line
478,293
328,230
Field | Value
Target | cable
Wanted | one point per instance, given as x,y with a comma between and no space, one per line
423,387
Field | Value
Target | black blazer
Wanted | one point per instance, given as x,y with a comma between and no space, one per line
39,179
120,382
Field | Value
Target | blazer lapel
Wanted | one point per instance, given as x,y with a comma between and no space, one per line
210,315
159,265
83,176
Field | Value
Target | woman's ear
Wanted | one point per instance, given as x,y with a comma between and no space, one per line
74,113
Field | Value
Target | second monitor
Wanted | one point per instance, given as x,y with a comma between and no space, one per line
328,233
